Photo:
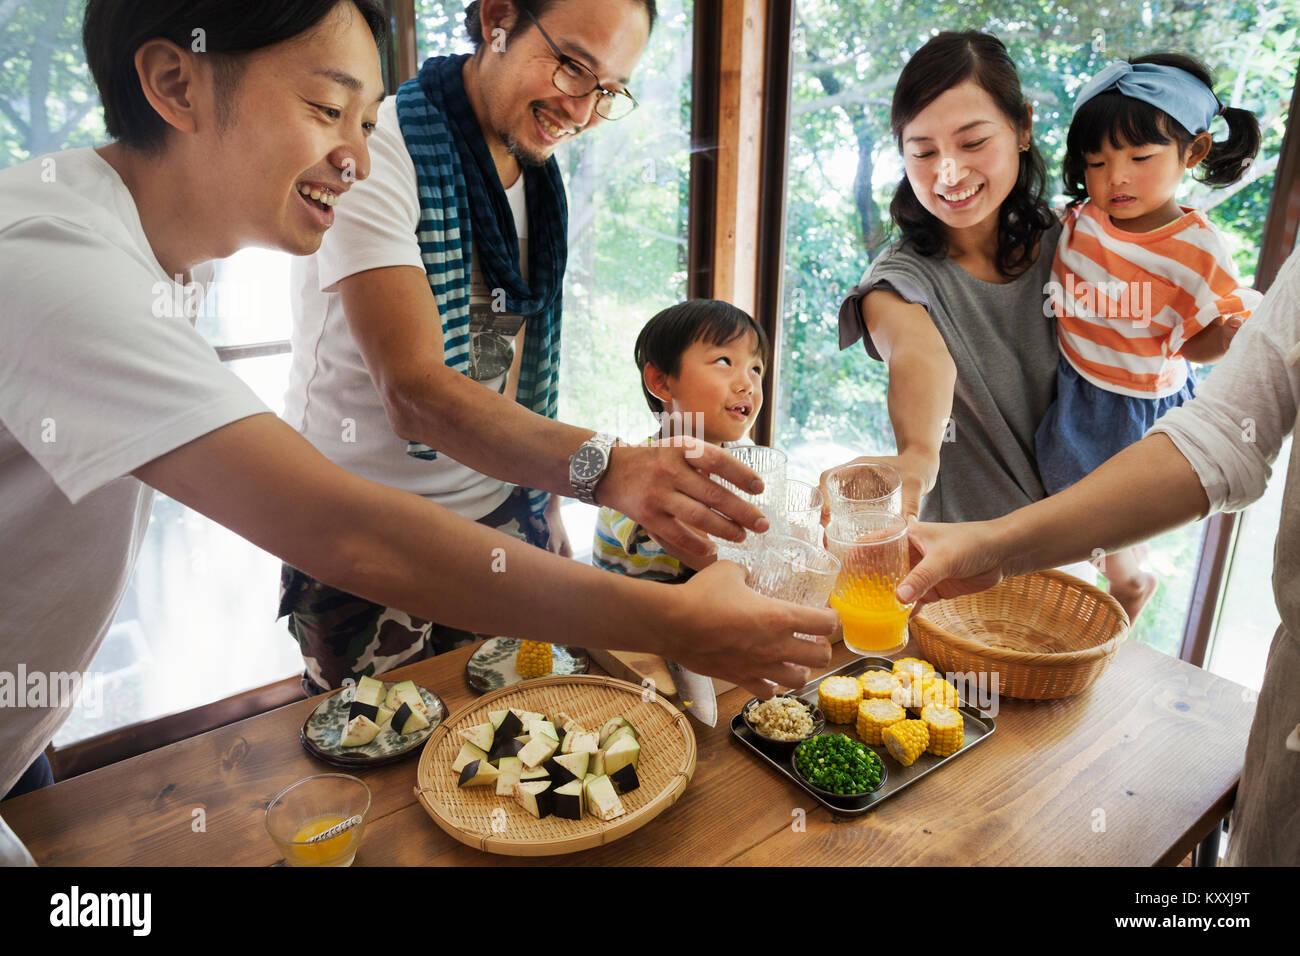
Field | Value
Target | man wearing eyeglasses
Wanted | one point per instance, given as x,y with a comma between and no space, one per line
426,329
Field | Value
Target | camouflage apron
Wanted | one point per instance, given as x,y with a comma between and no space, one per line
1265,826
342,635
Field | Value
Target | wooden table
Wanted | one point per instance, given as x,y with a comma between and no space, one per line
1135,771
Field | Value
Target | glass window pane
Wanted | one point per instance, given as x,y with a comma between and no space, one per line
48,99
197,623
844,166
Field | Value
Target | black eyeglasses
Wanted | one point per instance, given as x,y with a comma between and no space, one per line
573,79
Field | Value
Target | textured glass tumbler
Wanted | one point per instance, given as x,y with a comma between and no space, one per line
791,569
770,466
803,510
865,487
874,554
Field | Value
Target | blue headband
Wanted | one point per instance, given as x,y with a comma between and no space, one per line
1189,101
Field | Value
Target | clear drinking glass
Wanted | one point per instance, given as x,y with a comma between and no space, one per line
874,558
770,464
803,510
791,569
311,806
864,488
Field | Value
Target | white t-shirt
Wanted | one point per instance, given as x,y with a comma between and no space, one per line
331,398
96,379
1232,431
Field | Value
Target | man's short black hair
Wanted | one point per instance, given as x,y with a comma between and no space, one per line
667,336
114,29
474,22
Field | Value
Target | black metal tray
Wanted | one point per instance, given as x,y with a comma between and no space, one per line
978,726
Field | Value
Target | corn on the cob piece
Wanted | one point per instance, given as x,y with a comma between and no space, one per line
874,715
878,684
947,730
913,665
838,697
906,740
908,692
936,690
533,659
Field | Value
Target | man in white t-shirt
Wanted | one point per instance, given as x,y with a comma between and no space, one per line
107,394
368,371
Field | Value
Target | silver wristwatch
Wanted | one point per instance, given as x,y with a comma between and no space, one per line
588,465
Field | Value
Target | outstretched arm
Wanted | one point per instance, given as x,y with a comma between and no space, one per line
921,379
261,479
1146,489
393,317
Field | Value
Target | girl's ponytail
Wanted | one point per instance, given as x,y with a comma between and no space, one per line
1229,160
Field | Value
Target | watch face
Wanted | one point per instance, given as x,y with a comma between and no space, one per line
588,462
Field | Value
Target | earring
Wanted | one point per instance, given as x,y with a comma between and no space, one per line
1025,148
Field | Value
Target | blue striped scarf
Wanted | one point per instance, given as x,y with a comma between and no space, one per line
452,162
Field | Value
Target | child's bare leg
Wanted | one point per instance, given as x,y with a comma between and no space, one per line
1128,583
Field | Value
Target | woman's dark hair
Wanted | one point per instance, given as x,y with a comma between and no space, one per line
474,22
114,29
945,61
1129,122
669,334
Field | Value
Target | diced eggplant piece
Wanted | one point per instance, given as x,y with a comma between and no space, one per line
581,741
572,766
569,801
468,754
496,716
542,727
625,779
622,753
533,774
602,802
596,763
384,716
368,711
480,736
607,729
408,720
537,798
509,726
370,691
359,731
510,768
538,750
507,748
478,773
407,692
619,734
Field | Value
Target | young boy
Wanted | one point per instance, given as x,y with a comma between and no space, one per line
701,365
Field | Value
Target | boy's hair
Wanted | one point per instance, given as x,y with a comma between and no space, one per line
1129,122
114,29
947,60
669,334
474,22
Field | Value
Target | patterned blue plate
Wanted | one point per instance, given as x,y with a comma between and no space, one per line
492,666
322,732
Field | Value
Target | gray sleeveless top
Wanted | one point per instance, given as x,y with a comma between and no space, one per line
1002,339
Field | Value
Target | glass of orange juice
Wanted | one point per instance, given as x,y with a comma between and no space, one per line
302,815
873,553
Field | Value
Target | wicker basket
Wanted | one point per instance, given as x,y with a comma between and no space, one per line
1044,636
477,817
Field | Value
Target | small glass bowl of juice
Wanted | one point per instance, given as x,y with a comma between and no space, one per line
312,806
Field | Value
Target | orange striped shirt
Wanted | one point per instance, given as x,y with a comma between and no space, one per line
1127,302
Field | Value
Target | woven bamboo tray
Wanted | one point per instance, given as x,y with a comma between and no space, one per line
477,817
1045,635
